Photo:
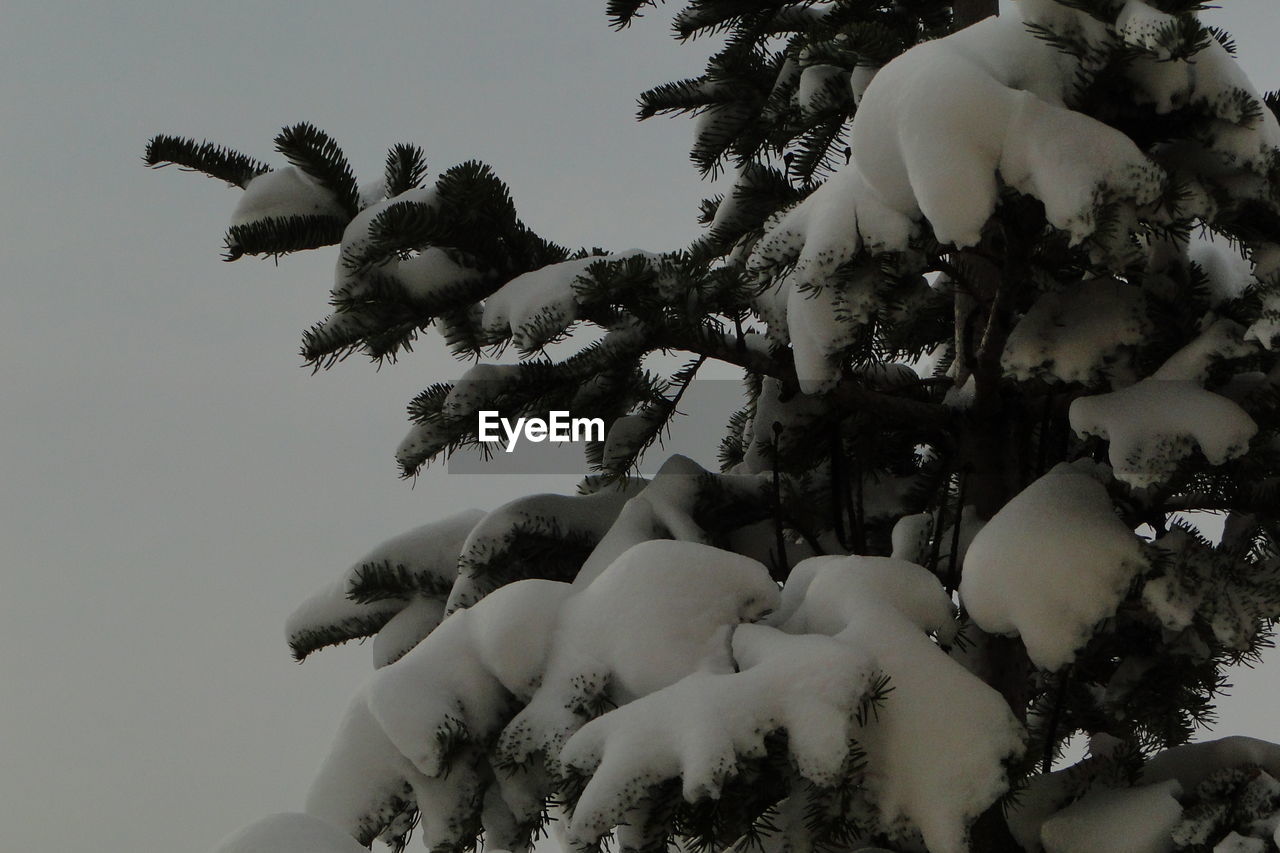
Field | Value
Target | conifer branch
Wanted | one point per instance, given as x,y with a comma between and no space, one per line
406,168
277,235
314,152
213,160
305,642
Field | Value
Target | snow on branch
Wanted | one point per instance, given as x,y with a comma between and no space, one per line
1155,424
396,591
1051,564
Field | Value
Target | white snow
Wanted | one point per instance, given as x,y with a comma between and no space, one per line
661,605
841,620
699,729
628,435
915,775
431,271
362,777
282,193
1221,339
290,833
936,132
662,508
812,94
1193,763
1141,26
357,236
1230,273
478,388
1128,820
1051,564
1155,424
406,629
462,672
1074,334
535,307
591,515
428,554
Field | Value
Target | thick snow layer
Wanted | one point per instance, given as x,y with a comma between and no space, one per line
425,557
283,193
1141,26
363,779
290,833
662,509
913,537
1193,763
588,516
406,629
430,273
1221,339
937,132
841,620
1229,272
1074,334
535,307
461,677
662,605
1154,425
661,610
701,728
816,83
1051,564
914,773
940,122
478,388
627,437
1119,819
806,307
1129,820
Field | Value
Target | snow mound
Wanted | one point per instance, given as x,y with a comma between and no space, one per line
393,583
1051,564
1155,424
538,306
431,273
938,131
497,540
283,193
1073,335
660,611
1129,820
702,728
290,833
663,508
914,775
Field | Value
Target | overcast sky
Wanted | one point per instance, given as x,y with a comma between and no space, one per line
173,483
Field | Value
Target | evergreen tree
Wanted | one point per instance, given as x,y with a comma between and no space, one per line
1004,295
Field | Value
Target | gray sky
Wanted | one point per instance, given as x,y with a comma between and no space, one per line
172,482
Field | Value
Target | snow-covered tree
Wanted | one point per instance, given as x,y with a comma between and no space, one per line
1004,293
